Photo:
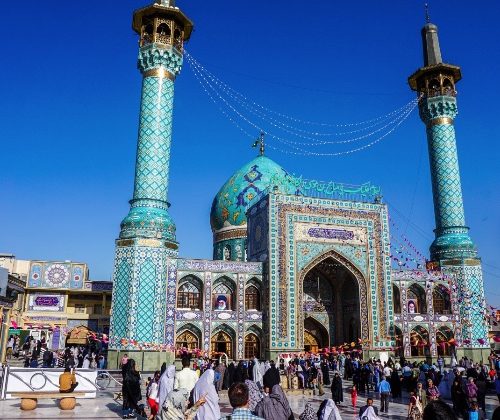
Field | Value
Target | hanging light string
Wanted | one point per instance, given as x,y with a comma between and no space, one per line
296,150
315,142
264,113
193,61
290,144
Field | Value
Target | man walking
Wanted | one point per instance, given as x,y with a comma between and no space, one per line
385,390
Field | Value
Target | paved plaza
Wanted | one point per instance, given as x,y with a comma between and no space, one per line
105,407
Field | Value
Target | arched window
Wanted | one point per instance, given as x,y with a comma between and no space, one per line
416,300
252,298
448,87
178,38
396,298
221,343
419,341
443,337
163,33
223,294
441,300
252,346
189,295
434,87
398,338
147,34
187,340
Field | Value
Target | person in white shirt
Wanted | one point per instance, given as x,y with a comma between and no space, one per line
387,371
152,395
187,377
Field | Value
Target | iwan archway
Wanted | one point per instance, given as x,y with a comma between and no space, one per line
333,295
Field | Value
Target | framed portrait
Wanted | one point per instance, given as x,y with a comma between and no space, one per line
221,302
412,306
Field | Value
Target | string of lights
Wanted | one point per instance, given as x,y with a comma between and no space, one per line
290,144
193,60
264,113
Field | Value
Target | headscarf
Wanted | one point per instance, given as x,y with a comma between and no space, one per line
262,367
205,386
175,405
166,384
275,406
369,414
308,413
254,394
329,411
272,377
257,375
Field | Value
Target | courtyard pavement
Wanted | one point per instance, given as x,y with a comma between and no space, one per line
105,407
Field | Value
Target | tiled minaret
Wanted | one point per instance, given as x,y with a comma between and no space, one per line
452,247
147,237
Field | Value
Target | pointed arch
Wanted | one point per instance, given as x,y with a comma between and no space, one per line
416,300
357,277
224,290
223,340
444,337
188,336
441,299
190,292
315,335
252,346
396,297
398,339
419,341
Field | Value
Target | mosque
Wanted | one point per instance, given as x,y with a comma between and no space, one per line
297,265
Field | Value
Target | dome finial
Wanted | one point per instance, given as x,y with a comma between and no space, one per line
260,141
427,16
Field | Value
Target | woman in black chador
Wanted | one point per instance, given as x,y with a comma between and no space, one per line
337,392
326,372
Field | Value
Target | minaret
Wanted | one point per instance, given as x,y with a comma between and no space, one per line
452,248
147,236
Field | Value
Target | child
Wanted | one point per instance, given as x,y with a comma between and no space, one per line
474,412
354,395
152,392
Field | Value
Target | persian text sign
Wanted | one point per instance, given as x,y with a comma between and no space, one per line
43,302
46,301
331,233
313,232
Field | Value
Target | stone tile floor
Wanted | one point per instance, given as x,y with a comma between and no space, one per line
105,407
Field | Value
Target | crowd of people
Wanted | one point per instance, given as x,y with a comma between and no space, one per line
257,390
35,353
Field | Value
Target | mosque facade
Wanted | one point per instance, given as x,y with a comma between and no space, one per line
298,266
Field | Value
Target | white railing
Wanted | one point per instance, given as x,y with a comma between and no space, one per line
16,379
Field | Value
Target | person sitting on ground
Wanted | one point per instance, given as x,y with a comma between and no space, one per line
67,381
239,399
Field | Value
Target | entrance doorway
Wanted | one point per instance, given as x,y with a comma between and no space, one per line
222,343
315,335
330,294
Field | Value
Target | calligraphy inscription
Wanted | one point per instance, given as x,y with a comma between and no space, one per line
46,301
331,233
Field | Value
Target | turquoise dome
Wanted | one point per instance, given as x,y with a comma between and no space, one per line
230,203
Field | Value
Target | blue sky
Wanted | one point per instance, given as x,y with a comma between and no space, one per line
70,93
